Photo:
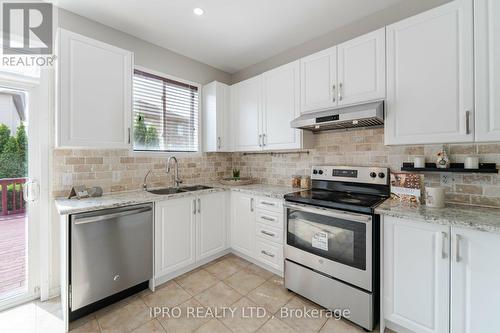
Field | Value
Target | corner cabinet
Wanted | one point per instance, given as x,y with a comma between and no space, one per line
430,81
263,108
188,230
487,69
94,93
439,278
216,119
243,223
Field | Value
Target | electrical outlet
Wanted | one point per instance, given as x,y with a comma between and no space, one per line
446,179
116,176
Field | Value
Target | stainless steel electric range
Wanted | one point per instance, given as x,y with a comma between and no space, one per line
332,240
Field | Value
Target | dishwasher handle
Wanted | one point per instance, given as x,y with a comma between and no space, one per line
82,220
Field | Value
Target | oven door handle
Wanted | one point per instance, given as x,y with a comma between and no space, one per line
331,212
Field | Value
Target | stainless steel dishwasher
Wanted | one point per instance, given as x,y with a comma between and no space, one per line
111,252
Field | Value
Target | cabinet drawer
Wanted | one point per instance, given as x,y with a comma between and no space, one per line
274,205
270,233
269,218
269,253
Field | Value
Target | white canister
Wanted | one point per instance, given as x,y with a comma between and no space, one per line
471,162
419,162
434,197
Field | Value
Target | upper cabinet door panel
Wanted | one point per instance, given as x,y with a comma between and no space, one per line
248,105
361,68
487,47
94,93
430,76
281,106
318,80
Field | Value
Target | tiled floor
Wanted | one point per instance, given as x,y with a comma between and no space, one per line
228,282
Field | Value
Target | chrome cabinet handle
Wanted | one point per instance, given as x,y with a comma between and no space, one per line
268,218
194,206
267,233
467,122
333,92
199,205
457,248
218,142
129,135
251,204
267,253
263,140
260,140
444,236
268,203
340,91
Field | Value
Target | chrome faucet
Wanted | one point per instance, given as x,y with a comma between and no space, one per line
145,183
177,181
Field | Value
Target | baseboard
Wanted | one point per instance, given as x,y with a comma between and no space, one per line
258,263
396,328
167,277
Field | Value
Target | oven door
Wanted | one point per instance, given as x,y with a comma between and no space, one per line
336,243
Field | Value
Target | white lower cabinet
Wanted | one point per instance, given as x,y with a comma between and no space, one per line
211,224
416,275
440,279
243,223
475,281
188,230
175,235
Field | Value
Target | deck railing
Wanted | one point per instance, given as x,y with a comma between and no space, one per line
12,195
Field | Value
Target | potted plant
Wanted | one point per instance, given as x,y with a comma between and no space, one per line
236,174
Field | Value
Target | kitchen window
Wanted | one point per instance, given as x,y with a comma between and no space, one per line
165,114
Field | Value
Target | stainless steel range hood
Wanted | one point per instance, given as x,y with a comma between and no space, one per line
346,117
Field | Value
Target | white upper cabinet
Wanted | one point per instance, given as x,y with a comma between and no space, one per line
430,77
361,69
475,272
281,88
487,70
416,275
216,117
318,80
95,93
246,100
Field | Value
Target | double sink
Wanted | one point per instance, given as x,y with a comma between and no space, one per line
173,190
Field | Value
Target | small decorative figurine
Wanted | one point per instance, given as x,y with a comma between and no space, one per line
442,162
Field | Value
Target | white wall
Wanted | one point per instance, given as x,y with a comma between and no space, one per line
146,54
370,23
8,113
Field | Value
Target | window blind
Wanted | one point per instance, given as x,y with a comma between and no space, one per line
165,114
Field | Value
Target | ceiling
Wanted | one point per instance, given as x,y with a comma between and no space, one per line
232,34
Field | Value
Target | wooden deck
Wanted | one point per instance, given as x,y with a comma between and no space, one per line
12,254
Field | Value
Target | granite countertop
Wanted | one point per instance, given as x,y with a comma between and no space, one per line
466,216
73,206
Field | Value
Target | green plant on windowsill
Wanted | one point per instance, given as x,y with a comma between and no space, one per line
236,174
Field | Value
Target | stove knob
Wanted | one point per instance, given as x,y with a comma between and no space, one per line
320,172
373,174
315,171
381,175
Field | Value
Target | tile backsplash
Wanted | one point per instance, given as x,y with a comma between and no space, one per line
118,170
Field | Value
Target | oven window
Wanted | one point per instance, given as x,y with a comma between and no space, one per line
332,238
